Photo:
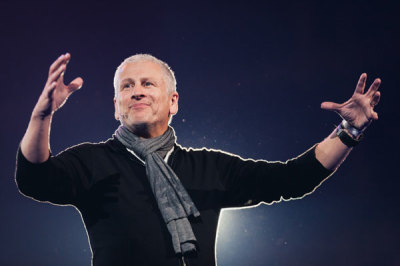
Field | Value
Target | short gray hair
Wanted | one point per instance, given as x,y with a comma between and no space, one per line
169,76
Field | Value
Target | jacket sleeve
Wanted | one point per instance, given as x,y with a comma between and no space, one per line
254,181
58,180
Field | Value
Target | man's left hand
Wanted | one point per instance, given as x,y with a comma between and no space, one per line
358,111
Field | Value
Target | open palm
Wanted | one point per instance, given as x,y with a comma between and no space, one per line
359,109
55,92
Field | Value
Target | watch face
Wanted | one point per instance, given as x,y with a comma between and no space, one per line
346,138
355,132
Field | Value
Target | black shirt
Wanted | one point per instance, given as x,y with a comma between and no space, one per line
108,185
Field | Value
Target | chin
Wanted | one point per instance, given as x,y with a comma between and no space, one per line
137,120
138,123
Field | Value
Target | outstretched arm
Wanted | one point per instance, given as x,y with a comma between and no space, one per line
35,144
358,111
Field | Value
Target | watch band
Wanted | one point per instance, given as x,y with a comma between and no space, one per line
346,138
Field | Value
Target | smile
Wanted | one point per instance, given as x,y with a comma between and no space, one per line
139,105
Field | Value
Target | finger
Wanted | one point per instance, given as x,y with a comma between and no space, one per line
330,106
56,64
76,84
374,115
63,58
361,83
375,99
56,74
374,87
49,89
67,57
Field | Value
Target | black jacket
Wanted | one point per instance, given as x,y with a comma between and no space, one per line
108,185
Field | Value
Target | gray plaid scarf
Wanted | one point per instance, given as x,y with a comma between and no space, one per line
173,200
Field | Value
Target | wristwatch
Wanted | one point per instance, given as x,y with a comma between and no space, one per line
349,135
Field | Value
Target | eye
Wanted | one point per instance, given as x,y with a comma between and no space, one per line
148,84
126,85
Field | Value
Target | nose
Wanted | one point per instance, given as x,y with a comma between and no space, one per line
137,97
138,93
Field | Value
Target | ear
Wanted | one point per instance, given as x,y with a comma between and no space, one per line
116,112
173,108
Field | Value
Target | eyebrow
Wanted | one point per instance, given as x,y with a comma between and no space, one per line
141,80
126,79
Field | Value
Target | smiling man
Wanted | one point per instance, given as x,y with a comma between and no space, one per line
146,200
143,101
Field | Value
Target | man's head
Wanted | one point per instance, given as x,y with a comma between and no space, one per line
169,75
145,95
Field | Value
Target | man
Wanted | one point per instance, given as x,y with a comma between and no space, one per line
144,199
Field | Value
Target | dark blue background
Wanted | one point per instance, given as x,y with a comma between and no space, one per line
251,77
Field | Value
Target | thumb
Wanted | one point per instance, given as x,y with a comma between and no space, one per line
76,84
330,106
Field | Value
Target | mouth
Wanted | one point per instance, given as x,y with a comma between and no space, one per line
139,105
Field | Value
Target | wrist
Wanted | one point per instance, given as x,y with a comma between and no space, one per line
41,115
41,118
352,130
348,135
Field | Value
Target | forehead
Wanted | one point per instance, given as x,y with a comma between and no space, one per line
141,69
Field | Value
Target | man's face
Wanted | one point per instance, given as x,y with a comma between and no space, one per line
142,100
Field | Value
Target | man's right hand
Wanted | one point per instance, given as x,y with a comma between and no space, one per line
55,92
35,144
